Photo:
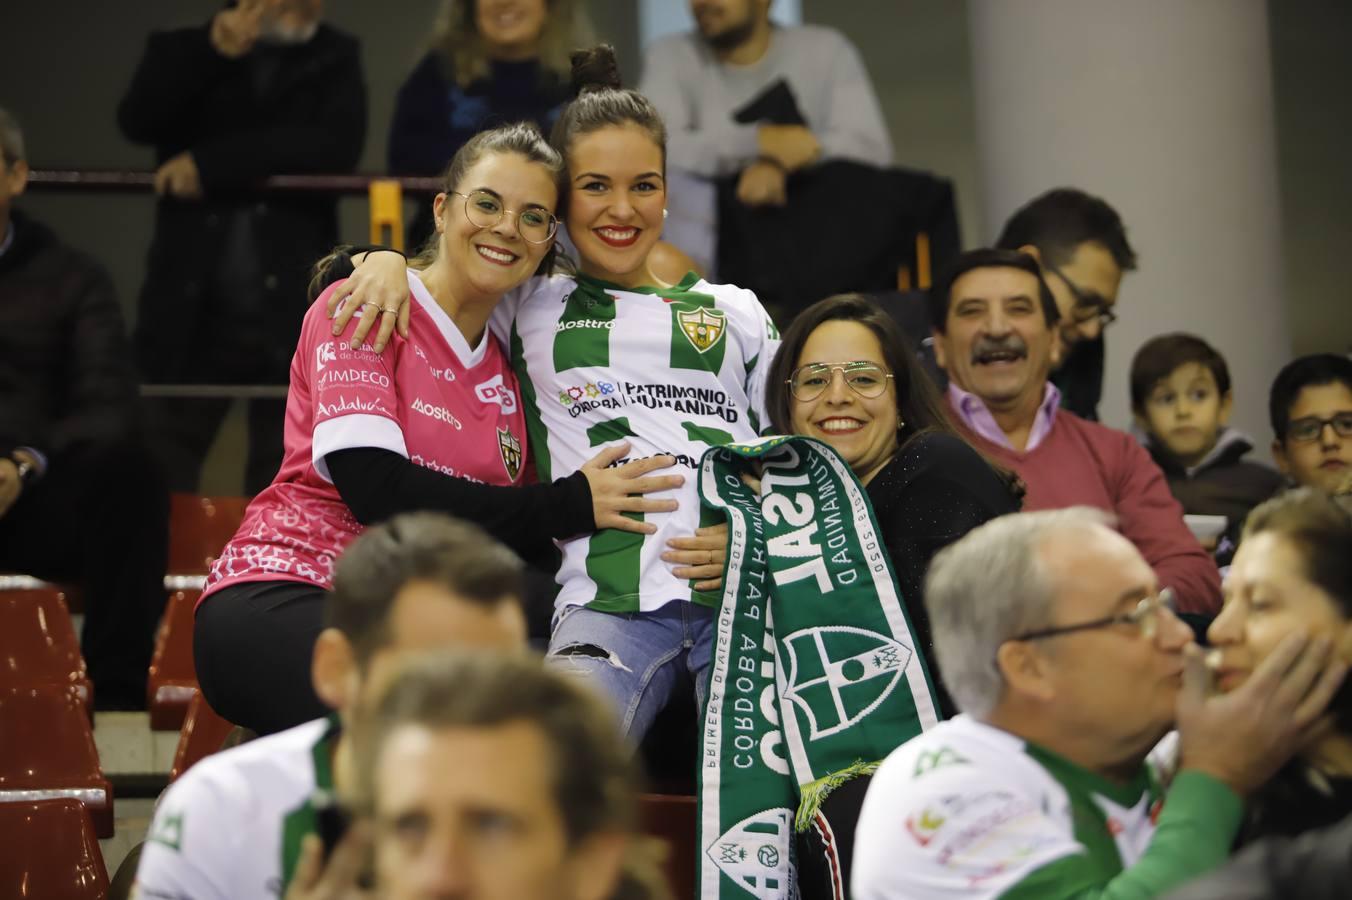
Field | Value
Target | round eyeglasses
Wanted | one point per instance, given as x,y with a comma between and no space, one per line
1311,428
866,379
485,209
1146,617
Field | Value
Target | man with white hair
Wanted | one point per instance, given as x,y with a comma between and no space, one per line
1069,665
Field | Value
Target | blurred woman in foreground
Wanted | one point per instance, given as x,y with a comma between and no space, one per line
1293,571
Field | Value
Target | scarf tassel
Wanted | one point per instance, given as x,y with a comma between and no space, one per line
813,794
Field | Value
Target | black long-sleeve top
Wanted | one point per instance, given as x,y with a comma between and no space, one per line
934,491
377,484
66,372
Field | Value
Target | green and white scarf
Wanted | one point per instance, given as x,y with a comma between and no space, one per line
815,674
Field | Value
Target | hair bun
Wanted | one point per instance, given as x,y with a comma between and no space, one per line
595,70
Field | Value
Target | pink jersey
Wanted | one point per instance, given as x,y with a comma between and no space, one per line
431,398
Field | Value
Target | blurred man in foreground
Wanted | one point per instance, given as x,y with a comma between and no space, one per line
1061,649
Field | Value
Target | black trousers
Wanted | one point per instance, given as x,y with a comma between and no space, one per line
99,519
184,430
252,646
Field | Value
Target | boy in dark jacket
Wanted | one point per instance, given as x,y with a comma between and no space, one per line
1181,400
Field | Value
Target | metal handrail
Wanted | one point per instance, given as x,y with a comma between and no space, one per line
120,180
215,391
29,583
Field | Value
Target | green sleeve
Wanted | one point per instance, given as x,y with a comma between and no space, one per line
1196,829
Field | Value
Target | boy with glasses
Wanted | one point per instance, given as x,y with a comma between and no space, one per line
1311,411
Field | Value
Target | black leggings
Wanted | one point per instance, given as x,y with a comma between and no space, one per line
252,645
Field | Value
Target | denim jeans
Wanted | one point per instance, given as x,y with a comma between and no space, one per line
635,658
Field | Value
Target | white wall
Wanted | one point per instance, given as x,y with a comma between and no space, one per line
1165,109
1312,69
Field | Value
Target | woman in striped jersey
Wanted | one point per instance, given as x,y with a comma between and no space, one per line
614,352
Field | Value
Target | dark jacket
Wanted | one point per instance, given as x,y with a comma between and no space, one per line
1079,378
847,227
1222,484
1298,799
66,374
221,269
1315,866
434,117
934,491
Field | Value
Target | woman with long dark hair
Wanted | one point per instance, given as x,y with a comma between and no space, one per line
846,375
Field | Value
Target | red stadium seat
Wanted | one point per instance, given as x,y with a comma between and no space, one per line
198,528
173,679
202,735
48,849
672,818
38,643
47,751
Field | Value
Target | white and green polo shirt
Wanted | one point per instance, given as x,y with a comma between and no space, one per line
231,826
968,810
671,371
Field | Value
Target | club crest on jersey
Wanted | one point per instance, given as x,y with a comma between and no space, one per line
754,853
703,327
839,674
510,448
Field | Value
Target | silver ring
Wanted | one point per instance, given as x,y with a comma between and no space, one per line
393,312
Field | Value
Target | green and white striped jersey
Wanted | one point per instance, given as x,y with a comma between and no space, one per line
969,810
671,371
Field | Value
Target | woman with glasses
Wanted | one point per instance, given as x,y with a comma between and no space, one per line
846,376
370,434
1293,572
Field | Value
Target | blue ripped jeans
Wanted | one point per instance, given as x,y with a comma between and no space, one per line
635,659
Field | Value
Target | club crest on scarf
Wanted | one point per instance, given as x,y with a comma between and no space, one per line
814,663
754,853
510,448
842,672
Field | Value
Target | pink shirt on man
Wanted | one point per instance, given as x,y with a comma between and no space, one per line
432,398
973,413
